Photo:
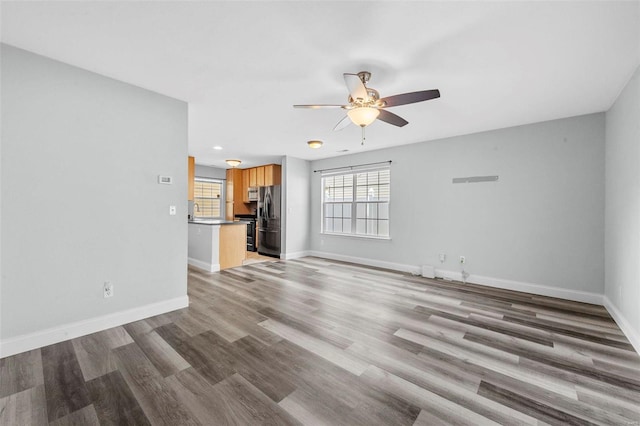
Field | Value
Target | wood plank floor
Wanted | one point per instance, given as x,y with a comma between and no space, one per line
312,341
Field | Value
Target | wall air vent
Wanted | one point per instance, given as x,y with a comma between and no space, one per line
474,179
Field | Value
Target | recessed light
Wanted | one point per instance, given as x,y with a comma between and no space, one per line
217,148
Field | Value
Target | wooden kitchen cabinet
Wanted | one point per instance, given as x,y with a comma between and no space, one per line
228,211
253,173
272,174
191,178
233,245
229,185
245,185
235,195
260,176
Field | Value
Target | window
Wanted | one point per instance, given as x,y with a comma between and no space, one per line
208,198
356,203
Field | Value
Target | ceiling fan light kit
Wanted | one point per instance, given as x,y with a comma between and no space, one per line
314,144
363,116
233,163
365,105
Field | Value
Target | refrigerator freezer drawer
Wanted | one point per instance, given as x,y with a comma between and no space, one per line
269,242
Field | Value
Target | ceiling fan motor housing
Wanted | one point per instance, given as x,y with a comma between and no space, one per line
364,76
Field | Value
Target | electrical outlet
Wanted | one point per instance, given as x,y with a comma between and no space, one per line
107,289
443,257
172,210
462,260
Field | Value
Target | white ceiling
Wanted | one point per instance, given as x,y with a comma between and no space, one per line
242,65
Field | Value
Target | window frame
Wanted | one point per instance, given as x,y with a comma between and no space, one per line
222,198
354,202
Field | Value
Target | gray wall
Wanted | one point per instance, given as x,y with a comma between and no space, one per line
81,205
622,210
210,172
541,223
295,206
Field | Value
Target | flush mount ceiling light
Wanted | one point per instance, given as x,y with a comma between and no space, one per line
233,163
363,116
314,144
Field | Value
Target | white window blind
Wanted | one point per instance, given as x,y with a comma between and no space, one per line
208,198
356,202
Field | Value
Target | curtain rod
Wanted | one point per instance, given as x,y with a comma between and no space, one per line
352,167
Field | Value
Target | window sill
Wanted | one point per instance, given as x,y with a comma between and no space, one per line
365,237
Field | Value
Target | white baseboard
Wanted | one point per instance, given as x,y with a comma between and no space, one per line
369,262
542,290
539,289
628,330
295,255
38,339
209,267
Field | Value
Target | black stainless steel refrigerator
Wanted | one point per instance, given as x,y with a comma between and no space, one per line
269,220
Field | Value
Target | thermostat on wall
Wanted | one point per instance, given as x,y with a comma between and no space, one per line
167,180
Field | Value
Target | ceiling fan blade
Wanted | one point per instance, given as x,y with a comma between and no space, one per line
391,118
410,98
319,106
342,123
355,86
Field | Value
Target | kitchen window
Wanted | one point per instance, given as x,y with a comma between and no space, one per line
208,198
357,203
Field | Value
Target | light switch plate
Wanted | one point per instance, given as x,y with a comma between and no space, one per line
172,210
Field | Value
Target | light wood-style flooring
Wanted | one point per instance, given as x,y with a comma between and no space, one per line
312,341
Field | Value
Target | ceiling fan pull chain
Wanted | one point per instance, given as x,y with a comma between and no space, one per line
362,135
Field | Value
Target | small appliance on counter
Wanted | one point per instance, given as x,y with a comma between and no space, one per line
251,230
269,221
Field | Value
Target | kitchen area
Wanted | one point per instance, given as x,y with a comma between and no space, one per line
234,215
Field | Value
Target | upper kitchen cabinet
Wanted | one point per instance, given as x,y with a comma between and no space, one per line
235,196
191,178
253,173
245,185
272,174
260,176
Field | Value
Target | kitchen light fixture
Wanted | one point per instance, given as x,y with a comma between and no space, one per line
217,148
314,144
233,163
363,116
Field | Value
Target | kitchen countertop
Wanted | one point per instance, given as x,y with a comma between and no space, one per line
218,222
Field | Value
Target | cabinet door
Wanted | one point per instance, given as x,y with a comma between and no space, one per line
228,212
277,174
245,185
272,174
268,175
237,186
253,173
260,176
192,178
230,185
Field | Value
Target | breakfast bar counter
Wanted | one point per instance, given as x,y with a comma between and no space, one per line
217,244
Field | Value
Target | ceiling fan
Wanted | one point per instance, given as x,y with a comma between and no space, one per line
365,106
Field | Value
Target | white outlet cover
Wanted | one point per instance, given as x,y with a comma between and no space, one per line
107,289
172,210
